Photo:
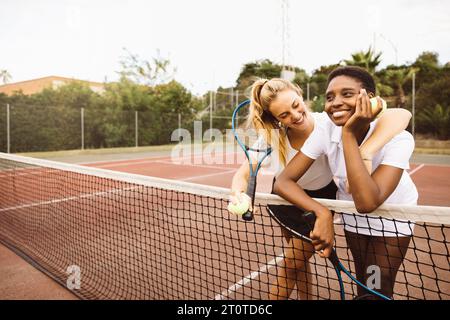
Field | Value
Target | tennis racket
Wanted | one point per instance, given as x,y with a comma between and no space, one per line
251,142
301,223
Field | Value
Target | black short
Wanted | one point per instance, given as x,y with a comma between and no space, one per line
327,192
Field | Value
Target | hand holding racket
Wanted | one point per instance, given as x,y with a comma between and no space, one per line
249,140
300,224
322,234
240,203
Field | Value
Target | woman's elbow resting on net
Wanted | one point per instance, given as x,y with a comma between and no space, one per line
366,207
278,186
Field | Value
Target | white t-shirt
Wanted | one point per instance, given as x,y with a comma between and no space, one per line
327,139
318,175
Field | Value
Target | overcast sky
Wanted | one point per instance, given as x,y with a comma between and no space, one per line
208,41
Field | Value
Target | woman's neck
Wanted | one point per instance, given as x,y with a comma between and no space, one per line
298,137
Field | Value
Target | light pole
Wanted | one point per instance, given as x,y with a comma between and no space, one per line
393,46
413,104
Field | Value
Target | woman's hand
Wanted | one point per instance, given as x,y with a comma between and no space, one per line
322,235
238,197
363,114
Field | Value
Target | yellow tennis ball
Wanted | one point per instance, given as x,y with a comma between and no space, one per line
374,103
239,208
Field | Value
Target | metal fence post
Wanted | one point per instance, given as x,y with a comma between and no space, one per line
82,128
413,104
136,126
8,137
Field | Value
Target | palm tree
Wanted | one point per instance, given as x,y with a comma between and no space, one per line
397,78
368,60
258,69
436,120
5,76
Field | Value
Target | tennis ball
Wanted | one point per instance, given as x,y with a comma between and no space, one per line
239,208
374,103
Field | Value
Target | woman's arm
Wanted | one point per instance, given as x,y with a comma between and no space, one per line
286,186
240,178
373,190
370,190
240,182
391,123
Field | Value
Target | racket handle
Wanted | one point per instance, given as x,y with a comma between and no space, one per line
310,218
248,216
251,189
334,259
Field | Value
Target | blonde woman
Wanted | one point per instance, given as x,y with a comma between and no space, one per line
277,105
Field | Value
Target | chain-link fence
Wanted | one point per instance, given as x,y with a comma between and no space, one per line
28,128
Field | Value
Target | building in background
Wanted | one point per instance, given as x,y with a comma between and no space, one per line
37,85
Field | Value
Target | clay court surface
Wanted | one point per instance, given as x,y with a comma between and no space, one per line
20,280
432,180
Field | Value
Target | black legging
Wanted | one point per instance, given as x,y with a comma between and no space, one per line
385,252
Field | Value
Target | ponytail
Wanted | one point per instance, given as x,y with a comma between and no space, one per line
263,93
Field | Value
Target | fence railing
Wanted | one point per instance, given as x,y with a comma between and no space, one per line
50,128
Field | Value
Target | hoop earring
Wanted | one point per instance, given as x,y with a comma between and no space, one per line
282,127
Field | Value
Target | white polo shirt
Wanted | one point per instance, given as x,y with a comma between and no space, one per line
327,139
318,175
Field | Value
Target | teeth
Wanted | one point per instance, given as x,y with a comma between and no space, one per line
339,114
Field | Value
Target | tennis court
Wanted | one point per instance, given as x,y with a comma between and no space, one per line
137,237
431,179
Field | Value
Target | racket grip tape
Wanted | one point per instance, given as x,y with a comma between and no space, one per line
310,219
251,190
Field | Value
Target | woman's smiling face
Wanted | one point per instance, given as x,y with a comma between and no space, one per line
290,109
341,97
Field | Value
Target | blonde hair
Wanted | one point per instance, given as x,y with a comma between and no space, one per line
264,91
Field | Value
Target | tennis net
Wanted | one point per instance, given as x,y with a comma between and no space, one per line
137,237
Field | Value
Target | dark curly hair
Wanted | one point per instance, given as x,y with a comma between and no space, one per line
357,73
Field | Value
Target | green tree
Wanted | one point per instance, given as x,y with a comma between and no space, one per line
434,92
365,59
428,67
73,95
169,101
427,59
259,69
397,78
156,71
318,83
435,120
301,78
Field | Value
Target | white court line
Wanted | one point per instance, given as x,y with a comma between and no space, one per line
244,281
262,171
123,160
207,175
33,171
113,163
417,169
53,201
194,165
